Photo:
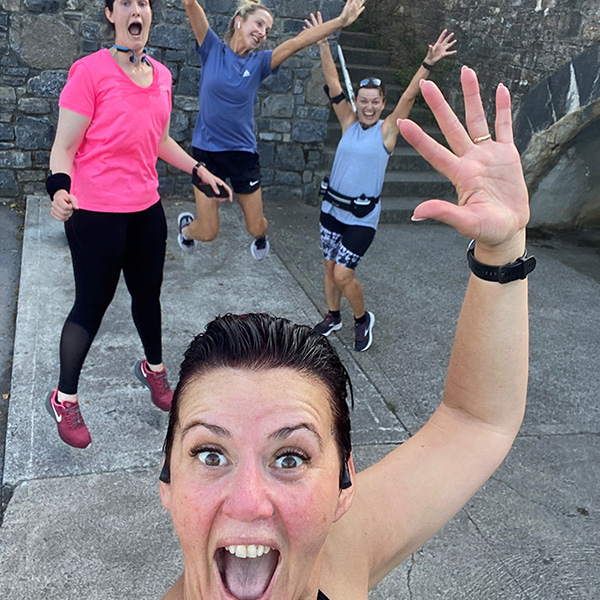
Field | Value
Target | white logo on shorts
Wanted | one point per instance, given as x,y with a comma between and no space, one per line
253,183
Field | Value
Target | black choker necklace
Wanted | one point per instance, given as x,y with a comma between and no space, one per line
132,57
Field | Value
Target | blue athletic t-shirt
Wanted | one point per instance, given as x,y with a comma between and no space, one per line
228,90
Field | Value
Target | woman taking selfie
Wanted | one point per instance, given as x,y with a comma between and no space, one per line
258,473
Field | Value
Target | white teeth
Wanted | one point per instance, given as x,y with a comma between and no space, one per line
251,551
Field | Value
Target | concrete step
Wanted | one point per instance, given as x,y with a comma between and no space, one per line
366,56
406,158
358,72
430,184
356,39
401,209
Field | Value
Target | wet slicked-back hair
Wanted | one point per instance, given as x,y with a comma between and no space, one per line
257,342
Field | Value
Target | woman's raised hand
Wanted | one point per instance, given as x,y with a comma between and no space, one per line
441,48
351,12
493,204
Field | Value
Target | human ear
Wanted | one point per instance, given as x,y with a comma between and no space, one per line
109,15
346,494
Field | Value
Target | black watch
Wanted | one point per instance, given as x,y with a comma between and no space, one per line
504,273
196,179
196,167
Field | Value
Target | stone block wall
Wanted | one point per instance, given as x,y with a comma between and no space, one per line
40,39
518,42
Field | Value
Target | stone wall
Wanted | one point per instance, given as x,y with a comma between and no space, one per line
40,39
518,42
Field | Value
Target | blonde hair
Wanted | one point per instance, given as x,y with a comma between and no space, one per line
244,9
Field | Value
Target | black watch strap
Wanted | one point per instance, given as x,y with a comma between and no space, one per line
504,273
196,179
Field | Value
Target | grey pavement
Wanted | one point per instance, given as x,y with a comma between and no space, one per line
89,524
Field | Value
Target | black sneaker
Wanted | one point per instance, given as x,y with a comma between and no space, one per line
186,244
363,333
328,324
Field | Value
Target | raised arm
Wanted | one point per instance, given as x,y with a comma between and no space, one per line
343,111
435,53
70,132
197,18
309,36
404,499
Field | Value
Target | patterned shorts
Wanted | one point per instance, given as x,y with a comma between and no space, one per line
344,244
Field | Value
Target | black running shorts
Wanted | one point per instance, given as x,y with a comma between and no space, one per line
241,168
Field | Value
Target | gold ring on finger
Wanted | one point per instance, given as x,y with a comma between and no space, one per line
482,138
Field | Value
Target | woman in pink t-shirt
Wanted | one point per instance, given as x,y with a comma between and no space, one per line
113,125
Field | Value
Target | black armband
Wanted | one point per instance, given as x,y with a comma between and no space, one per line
427,66
58,181
341,96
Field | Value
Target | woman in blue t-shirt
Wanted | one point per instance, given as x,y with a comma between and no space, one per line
350,209
224,137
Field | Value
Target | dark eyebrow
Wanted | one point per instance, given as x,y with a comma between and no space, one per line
285,432
220,431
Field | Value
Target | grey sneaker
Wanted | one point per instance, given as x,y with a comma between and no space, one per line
260,247
328,324
186,244
363,333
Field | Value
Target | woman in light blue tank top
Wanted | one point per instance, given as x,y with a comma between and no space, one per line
358,170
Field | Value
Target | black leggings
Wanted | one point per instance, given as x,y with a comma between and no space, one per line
102,245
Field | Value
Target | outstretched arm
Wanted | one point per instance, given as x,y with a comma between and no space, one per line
346,116
307,37
404,499
197,18
438,51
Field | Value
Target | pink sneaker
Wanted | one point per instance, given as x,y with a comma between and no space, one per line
71,426
157,383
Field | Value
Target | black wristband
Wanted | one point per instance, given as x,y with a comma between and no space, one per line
196,179
58,181
427,66
337,99
504,273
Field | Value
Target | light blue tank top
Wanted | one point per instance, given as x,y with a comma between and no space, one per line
359,166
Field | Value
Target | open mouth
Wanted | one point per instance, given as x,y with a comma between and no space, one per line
135,29
247,571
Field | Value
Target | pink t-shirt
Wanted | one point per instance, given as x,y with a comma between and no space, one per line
115,165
